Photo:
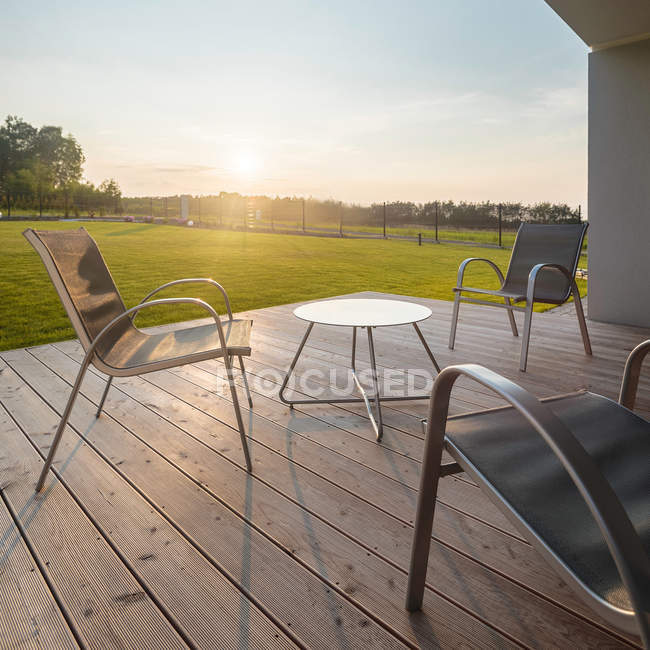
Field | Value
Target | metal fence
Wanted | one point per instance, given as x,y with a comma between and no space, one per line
485,223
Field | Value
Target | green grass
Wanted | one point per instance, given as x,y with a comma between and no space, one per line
258,270
479,236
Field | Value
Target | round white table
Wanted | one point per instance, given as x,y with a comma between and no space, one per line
364,313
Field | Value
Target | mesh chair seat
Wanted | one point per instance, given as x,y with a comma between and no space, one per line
514,293
517,293
137,350
517,462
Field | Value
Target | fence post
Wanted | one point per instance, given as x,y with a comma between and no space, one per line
419,239
384,219
500,218
303,215
579,212
436,222
340,219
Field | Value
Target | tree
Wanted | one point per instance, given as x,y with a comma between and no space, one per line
48,145
111,190
16,149
35,163
68,167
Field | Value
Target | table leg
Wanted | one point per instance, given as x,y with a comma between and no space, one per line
293,365
379,425
376,422
426,347
375,417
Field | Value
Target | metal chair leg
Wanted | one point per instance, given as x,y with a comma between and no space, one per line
64,420
103,399
245,378
511,316
429,478
581,318
375,385
454,321
523,361
240,421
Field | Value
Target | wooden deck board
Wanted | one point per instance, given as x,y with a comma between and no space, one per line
159,556
313,548
30,617
266,573
343,566
377,533
105,603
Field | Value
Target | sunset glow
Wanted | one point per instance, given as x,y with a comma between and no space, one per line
247,164
389,101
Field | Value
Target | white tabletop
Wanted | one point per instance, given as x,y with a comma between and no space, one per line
362,312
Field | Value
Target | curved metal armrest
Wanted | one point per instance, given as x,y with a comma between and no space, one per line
622,539
153,303
532,278
465,263
190,281
631,374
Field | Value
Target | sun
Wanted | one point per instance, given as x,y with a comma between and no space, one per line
247,163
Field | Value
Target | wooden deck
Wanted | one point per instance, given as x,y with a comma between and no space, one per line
153,535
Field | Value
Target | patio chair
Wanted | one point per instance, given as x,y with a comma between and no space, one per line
542,268
572,475
111,341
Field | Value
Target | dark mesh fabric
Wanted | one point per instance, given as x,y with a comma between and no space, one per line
87,280
515,459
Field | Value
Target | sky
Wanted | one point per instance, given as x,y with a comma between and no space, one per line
358,100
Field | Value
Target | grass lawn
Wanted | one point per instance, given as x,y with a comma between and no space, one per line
257,270
468,234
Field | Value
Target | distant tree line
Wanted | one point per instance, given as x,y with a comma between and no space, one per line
237,210
41,169
476,215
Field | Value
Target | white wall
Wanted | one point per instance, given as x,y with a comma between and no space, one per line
619,184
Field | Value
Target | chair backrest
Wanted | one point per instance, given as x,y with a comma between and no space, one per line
82,280
545,244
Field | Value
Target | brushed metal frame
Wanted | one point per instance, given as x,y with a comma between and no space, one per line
621,537
173,283
631,374
376,416
530,300
226,300
90,354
